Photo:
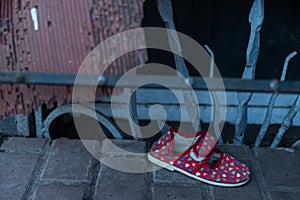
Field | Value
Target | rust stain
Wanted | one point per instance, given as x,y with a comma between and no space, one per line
68,31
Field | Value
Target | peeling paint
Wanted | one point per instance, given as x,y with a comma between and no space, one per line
34,17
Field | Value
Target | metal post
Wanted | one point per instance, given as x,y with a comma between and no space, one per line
166,13
296,144
215,102
135,130
272,101
256,18
287,122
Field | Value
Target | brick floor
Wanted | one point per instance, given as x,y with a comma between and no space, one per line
64,169
249,191
23,145
54,192
284,166
181,192
285,195
15,173
68,160
113,184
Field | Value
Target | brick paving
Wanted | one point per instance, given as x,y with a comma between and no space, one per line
64,169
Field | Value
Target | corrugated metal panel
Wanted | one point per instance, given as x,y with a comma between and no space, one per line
67,31
111,17
6,34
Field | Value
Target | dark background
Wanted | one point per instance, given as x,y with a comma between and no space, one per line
224,27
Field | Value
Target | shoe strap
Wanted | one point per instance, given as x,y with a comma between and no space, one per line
205,145
204,141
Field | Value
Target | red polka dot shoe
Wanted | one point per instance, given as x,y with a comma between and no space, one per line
200,160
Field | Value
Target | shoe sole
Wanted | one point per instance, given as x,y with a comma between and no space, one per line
172,168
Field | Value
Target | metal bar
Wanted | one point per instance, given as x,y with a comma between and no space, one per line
286,64
267,120
200,84
215,102
287,122
296,144
172,110
38,122
60,79
36,78
134,123
166,13
212,61
256,18
266,123
107,123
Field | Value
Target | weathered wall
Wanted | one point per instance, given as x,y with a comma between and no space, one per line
67,32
